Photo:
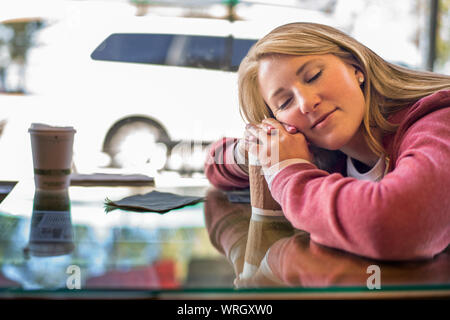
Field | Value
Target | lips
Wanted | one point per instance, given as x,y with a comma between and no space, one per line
322,118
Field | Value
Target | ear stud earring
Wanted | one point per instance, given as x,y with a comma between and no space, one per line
361,79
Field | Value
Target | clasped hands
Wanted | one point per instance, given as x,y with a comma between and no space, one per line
272,142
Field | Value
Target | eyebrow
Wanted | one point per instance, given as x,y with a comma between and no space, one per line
299,70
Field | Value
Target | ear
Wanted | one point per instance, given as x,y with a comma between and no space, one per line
359,76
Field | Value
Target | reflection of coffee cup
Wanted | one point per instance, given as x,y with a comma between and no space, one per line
267,224
263,232
52,149
51,226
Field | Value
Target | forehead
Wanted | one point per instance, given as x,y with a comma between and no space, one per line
280,60
274,70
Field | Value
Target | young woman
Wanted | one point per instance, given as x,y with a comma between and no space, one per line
362,145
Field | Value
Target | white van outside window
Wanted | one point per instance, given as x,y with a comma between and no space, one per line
177,50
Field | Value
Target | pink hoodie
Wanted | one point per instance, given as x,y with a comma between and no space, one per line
406,215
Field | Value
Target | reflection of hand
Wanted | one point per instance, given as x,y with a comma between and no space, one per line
257,280
244,282
263,277
273,142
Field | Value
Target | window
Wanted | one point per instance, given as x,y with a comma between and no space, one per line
175,50
240,49
138,48
197,51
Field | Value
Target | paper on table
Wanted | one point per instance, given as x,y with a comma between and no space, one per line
154,201
238,196
108,179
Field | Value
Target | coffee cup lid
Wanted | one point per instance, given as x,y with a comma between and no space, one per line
48,128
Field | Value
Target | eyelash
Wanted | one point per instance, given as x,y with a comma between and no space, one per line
285,104
316,76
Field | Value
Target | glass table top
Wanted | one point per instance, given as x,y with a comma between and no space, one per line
64,244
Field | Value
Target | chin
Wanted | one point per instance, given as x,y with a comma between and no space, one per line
333,144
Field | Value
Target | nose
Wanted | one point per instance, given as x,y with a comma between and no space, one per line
308,100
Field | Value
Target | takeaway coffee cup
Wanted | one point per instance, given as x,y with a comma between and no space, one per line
52,149
267,223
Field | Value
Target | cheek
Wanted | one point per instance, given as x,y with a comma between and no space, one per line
340,81
346,94
356,106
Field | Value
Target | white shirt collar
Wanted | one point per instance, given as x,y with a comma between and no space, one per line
375,174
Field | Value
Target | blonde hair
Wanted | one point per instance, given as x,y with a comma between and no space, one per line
387,87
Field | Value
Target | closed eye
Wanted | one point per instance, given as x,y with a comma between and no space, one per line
285,104
315,77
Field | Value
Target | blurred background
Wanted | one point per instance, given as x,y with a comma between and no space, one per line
149,84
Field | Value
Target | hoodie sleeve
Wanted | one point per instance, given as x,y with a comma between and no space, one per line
404,216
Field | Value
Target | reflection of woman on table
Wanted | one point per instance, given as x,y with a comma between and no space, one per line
308,88
297,261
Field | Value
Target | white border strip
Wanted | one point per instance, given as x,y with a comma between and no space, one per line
267,212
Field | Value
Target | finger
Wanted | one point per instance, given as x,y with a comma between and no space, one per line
271,124
290,128
255,127
251,129
250,141
242,146
253,132
262,135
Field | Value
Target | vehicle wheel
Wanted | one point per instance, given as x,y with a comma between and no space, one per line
137,143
